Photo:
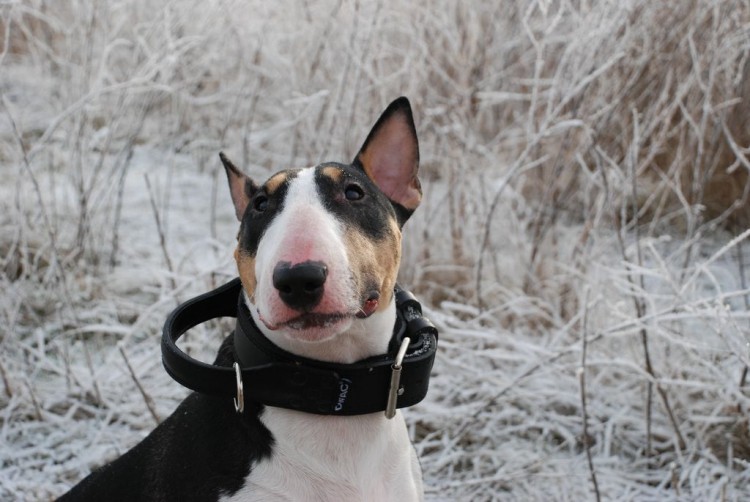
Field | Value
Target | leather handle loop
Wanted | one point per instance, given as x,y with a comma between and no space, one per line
194,374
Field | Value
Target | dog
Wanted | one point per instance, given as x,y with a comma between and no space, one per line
318,252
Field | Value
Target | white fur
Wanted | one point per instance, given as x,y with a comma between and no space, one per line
303,231
318,458
324,458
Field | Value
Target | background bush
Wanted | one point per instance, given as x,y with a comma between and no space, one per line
582,235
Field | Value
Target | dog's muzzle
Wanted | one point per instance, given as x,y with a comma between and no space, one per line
269,375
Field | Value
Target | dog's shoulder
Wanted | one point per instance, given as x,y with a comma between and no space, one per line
187,457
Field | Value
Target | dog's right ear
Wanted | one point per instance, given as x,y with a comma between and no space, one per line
241,186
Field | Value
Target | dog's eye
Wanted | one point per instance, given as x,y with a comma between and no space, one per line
260,203
354,192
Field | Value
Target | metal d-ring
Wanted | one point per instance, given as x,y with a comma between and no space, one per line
239,402
393,390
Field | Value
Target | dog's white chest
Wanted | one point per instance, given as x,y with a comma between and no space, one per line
317,458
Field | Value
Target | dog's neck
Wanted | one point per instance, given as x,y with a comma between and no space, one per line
364,338
352,441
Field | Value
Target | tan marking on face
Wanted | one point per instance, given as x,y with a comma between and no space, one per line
375,263
275,181
246,269
333,173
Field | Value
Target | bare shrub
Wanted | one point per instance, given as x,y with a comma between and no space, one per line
585,174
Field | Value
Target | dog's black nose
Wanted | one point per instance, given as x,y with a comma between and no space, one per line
300,286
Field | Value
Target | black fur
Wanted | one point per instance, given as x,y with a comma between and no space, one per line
254,221
188,457
205,449
371,213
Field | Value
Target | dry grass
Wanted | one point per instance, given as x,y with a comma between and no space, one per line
585,169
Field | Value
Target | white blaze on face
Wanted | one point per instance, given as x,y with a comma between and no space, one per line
303,231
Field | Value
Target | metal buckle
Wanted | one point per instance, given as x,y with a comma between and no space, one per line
394,390
239,402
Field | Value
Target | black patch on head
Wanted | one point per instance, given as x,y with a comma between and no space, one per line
370,213
261,211
402,214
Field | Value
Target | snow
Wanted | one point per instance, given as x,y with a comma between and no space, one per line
542,126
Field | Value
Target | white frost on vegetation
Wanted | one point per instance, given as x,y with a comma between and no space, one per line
542,126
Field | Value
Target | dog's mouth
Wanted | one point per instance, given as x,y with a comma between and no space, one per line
320,320
306,321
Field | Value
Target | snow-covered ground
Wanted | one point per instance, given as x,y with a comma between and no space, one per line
583,232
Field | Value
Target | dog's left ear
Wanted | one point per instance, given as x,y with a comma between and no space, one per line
390,157
241,186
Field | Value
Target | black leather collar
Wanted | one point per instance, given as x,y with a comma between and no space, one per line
275,377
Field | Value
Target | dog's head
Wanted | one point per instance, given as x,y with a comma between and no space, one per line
319,248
